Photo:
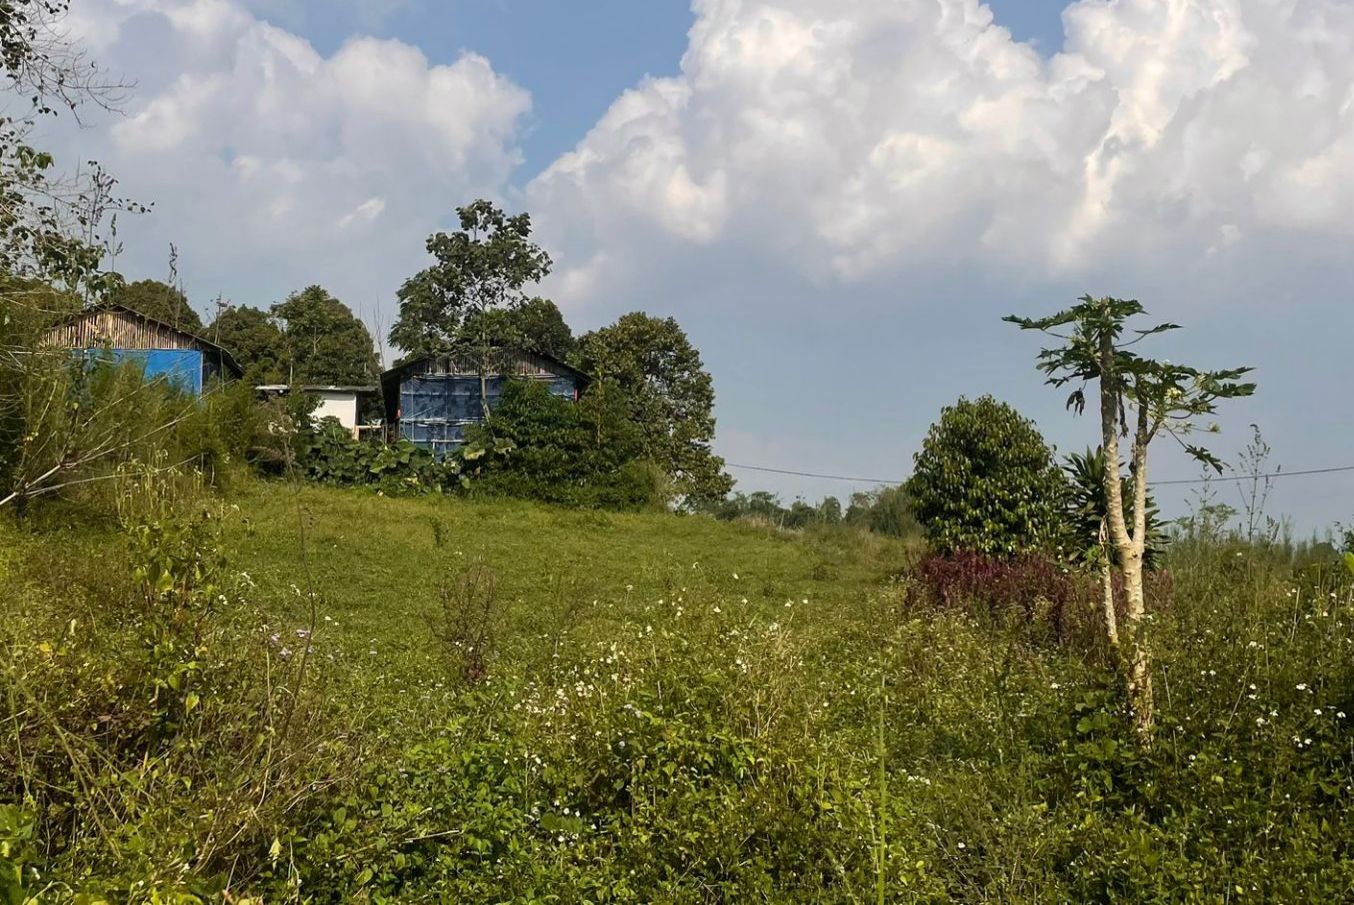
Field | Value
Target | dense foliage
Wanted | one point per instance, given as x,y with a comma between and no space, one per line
253,337
985,481
466,301
324,342
671,395
586,454
696,717
159,301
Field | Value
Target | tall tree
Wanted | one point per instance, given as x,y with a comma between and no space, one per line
535,325
1139,398
160,301
323,341
671,395
478,279
253,337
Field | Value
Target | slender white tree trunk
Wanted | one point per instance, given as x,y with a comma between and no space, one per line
1129,547
1107,588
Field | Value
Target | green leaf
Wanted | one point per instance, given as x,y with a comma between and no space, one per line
1349,563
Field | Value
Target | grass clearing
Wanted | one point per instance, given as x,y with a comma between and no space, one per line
534,704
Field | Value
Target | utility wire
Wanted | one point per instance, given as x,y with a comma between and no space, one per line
1220,478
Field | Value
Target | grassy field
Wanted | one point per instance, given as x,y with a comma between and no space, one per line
337,696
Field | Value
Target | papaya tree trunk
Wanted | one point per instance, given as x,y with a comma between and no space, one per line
1128,547
1107,588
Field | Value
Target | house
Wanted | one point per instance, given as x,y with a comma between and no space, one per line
430,400
342,403
112,332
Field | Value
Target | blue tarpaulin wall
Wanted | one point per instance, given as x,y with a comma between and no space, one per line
435,409
181,368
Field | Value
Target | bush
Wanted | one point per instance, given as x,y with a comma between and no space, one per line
582,454
985,481
144,709
328,454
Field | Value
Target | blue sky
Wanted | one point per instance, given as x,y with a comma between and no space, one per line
838,199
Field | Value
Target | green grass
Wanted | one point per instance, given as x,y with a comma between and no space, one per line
377,570
675,709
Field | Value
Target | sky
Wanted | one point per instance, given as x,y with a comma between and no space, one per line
837,199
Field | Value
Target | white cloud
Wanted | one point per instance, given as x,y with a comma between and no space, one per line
272,165
857,141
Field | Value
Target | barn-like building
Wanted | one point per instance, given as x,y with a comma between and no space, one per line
430,400
112,332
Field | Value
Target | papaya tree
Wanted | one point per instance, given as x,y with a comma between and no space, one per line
1140,399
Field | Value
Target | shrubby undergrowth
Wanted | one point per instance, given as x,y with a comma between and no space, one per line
703,738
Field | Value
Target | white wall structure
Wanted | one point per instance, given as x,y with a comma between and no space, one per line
332,402
335,403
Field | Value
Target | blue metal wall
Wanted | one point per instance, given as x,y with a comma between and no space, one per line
181,368
435,409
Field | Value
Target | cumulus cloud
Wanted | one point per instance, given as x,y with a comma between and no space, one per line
272,165
840,197
856,140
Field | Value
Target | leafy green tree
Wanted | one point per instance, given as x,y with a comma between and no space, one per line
159,301
252,336
535,325
1139,398
584,454
830,510
464,303
323,341
985,481
671,394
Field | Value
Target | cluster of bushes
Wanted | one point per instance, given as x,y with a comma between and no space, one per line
536,445
155,728
68,424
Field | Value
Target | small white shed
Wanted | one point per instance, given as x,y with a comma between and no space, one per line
338,402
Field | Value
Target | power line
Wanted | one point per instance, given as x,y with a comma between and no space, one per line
1257,477
810,474
1233,478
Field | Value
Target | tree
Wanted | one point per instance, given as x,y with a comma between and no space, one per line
536,325
985,481
252,336
476,283
579,454
1087,521
323,342
672,396
1139,398
52,246
160,301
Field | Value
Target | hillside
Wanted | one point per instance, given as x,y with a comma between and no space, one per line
554,705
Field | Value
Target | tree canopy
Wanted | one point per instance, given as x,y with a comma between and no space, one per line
160,301
671,395
253,337
985,481
479,272
323,341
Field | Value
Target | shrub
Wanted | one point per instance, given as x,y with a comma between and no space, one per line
1036,590
576,454
329,454
143,710
985,481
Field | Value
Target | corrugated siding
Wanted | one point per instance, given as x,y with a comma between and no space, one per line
181,368
435,409
119,330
